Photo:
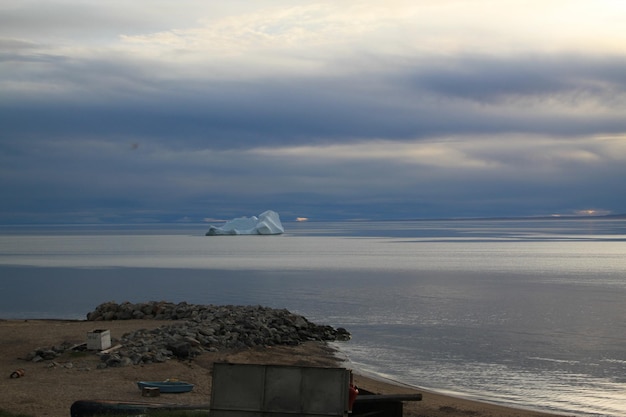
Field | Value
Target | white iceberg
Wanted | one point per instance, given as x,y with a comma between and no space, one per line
268,223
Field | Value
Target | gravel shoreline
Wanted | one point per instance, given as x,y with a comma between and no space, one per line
49,387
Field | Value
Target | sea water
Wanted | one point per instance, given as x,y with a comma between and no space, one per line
517,312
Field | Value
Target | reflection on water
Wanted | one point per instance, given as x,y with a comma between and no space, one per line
504,311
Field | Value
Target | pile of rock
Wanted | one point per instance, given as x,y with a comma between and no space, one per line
200,328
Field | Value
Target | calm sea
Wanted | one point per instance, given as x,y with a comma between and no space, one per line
524,313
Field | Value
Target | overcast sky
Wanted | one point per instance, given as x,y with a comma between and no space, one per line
153,110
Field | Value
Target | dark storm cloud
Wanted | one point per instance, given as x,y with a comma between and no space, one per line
470,96
492,79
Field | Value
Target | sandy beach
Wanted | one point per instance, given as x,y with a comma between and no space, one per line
49,388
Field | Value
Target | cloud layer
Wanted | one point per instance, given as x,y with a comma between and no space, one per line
151,112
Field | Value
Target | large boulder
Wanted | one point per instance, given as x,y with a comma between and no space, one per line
267,223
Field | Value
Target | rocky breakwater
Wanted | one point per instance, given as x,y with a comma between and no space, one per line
199,328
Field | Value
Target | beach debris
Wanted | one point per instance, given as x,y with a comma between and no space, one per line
18,373
79,347
111,349
99,339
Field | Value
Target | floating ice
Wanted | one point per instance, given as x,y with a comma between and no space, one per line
268,223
